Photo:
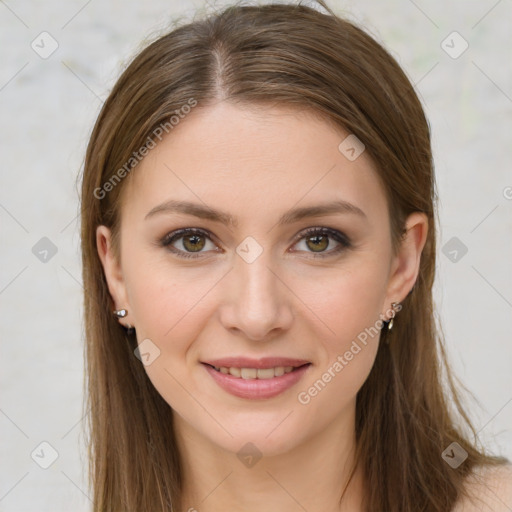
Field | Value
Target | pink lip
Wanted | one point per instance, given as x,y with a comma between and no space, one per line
256,388
264,362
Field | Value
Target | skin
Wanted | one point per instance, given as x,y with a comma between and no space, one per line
256,165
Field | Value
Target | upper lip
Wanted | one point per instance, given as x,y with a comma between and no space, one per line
264,362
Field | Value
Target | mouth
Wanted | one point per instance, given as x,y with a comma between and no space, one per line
264,382
256,373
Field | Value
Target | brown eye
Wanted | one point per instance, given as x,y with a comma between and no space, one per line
190,242
185,242
318,240
193,243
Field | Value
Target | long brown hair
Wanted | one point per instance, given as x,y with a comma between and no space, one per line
408,411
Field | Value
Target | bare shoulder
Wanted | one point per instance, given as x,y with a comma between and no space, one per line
490,489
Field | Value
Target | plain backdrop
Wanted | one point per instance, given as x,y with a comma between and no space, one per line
48,105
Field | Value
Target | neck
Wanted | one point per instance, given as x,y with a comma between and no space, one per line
310,476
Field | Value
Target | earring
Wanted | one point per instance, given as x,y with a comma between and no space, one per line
395,307
121,313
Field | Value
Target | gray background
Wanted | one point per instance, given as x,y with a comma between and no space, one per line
48,106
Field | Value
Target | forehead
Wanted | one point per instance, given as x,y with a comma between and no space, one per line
257,159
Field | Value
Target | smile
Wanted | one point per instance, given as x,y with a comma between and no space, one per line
256,383
255,373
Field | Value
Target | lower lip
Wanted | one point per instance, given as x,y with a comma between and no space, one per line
256,388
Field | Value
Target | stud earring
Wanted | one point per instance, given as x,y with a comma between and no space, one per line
121,313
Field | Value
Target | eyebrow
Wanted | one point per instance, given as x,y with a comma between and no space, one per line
289,217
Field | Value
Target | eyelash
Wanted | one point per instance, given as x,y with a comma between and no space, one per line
341,238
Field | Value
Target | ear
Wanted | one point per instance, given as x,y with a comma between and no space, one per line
113,272
406,264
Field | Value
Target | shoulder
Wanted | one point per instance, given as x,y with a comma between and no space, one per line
490,490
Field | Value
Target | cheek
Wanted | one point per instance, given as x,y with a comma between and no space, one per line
169,305
350,305
168,301
344,301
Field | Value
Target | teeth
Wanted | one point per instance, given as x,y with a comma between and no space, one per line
255,373
235,372
248,373
266,373
279,371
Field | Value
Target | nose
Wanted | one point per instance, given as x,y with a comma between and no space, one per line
258,303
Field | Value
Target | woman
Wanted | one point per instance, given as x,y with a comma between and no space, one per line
258,237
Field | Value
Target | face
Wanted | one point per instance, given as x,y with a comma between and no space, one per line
282,281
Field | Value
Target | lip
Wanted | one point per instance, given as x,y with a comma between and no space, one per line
257,388
265,362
